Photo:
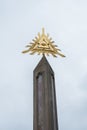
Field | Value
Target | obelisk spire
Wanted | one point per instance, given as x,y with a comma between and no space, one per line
45,108
44,100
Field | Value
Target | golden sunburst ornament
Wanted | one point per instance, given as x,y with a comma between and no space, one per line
43,44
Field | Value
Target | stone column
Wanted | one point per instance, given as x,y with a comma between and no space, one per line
44,99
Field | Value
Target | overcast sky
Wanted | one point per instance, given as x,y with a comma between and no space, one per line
66,22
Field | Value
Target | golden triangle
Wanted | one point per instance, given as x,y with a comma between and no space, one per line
42,44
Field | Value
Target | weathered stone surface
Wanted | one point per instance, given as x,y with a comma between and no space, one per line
44,107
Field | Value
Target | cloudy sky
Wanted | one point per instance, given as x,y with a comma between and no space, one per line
66,22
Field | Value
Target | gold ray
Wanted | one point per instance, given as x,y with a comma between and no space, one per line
42,44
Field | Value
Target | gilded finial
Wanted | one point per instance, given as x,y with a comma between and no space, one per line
42,44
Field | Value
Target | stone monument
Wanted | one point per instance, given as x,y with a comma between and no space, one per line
44,93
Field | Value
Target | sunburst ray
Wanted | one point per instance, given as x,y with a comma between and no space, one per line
42,44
